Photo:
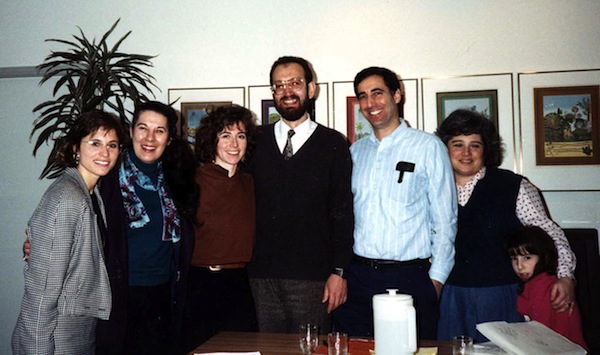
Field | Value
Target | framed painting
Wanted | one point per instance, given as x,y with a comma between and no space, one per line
575,175
269,113
358,127
192,114
483,101
566,125
501,83
193,103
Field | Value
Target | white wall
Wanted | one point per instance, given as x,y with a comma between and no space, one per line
233,43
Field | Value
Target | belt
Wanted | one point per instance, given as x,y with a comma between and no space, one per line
381,264
224,266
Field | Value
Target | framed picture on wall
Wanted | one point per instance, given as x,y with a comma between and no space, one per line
574,176
501,83
192,114
193,103
269,113
358,126
566,125
483,101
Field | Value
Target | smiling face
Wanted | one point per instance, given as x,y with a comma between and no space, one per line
98,153
466,155
231,147
379,105
290,103
150,136
524,265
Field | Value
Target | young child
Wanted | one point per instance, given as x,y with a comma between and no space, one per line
534,260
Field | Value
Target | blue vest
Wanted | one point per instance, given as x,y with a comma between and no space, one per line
483,224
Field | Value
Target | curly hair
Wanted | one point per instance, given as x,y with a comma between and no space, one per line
87,123
469,122
214,123
178,162
534,240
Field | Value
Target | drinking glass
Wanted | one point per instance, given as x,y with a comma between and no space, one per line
309,338
337,343
462,345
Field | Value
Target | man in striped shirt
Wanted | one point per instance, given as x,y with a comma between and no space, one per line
405,211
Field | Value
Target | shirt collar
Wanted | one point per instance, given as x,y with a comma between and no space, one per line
473,181
302,129
399,131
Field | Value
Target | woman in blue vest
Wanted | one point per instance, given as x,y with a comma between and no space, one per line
492,203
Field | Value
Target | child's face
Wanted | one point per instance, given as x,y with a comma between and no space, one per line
524,265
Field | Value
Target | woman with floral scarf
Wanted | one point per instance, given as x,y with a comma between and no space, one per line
151,199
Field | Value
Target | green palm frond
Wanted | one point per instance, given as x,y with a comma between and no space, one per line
88,75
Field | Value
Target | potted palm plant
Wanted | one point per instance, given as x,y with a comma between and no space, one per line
88,75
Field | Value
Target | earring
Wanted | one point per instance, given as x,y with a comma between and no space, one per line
76,157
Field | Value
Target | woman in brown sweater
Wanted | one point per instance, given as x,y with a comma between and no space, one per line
219,296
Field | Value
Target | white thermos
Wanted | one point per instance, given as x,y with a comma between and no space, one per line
395,324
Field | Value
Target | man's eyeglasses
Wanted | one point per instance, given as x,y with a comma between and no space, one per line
96,145
294,84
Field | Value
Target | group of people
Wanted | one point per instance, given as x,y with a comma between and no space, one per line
266,228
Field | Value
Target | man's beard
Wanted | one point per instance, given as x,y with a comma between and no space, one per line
292,113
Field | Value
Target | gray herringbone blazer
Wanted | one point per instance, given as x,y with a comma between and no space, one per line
66,283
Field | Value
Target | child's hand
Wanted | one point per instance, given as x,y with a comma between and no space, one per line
562,294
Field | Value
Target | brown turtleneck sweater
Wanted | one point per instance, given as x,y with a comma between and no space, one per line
226,216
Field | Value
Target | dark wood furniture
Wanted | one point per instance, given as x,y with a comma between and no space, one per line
276,344
584,243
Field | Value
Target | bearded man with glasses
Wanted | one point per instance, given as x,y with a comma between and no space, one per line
304,214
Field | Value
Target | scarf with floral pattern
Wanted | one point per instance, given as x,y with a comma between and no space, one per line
137,217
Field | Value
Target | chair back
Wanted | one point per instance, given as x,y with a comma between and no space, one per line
584,243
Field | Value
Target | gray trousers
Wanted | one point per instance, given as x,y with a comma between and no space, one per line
282,305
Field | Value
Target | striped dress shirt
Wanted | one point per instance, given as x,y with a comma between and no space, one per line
415,218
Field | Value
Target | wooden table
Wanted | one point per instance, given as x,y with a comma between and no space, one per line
276,344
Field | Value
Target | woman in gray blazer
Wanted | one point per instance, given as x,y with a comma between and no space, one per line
66,284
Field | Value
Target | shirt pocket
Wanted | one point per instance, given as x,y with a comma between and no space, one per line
408,192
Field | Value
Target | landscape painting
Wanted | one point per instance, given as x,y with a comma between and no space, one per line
566,125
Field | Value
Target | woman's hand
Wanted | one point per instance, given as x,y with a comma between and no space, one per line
562,294
26,247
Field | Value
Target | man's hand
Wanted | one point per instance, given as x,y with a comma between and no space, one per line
336,292
438,287
562,294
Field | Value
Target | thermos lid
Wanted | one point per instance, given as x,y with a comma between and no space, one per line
393,296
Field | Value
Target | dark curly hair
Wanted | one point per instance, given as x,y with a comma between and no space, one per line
87,123
179,164
534,240
469,122
213,123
